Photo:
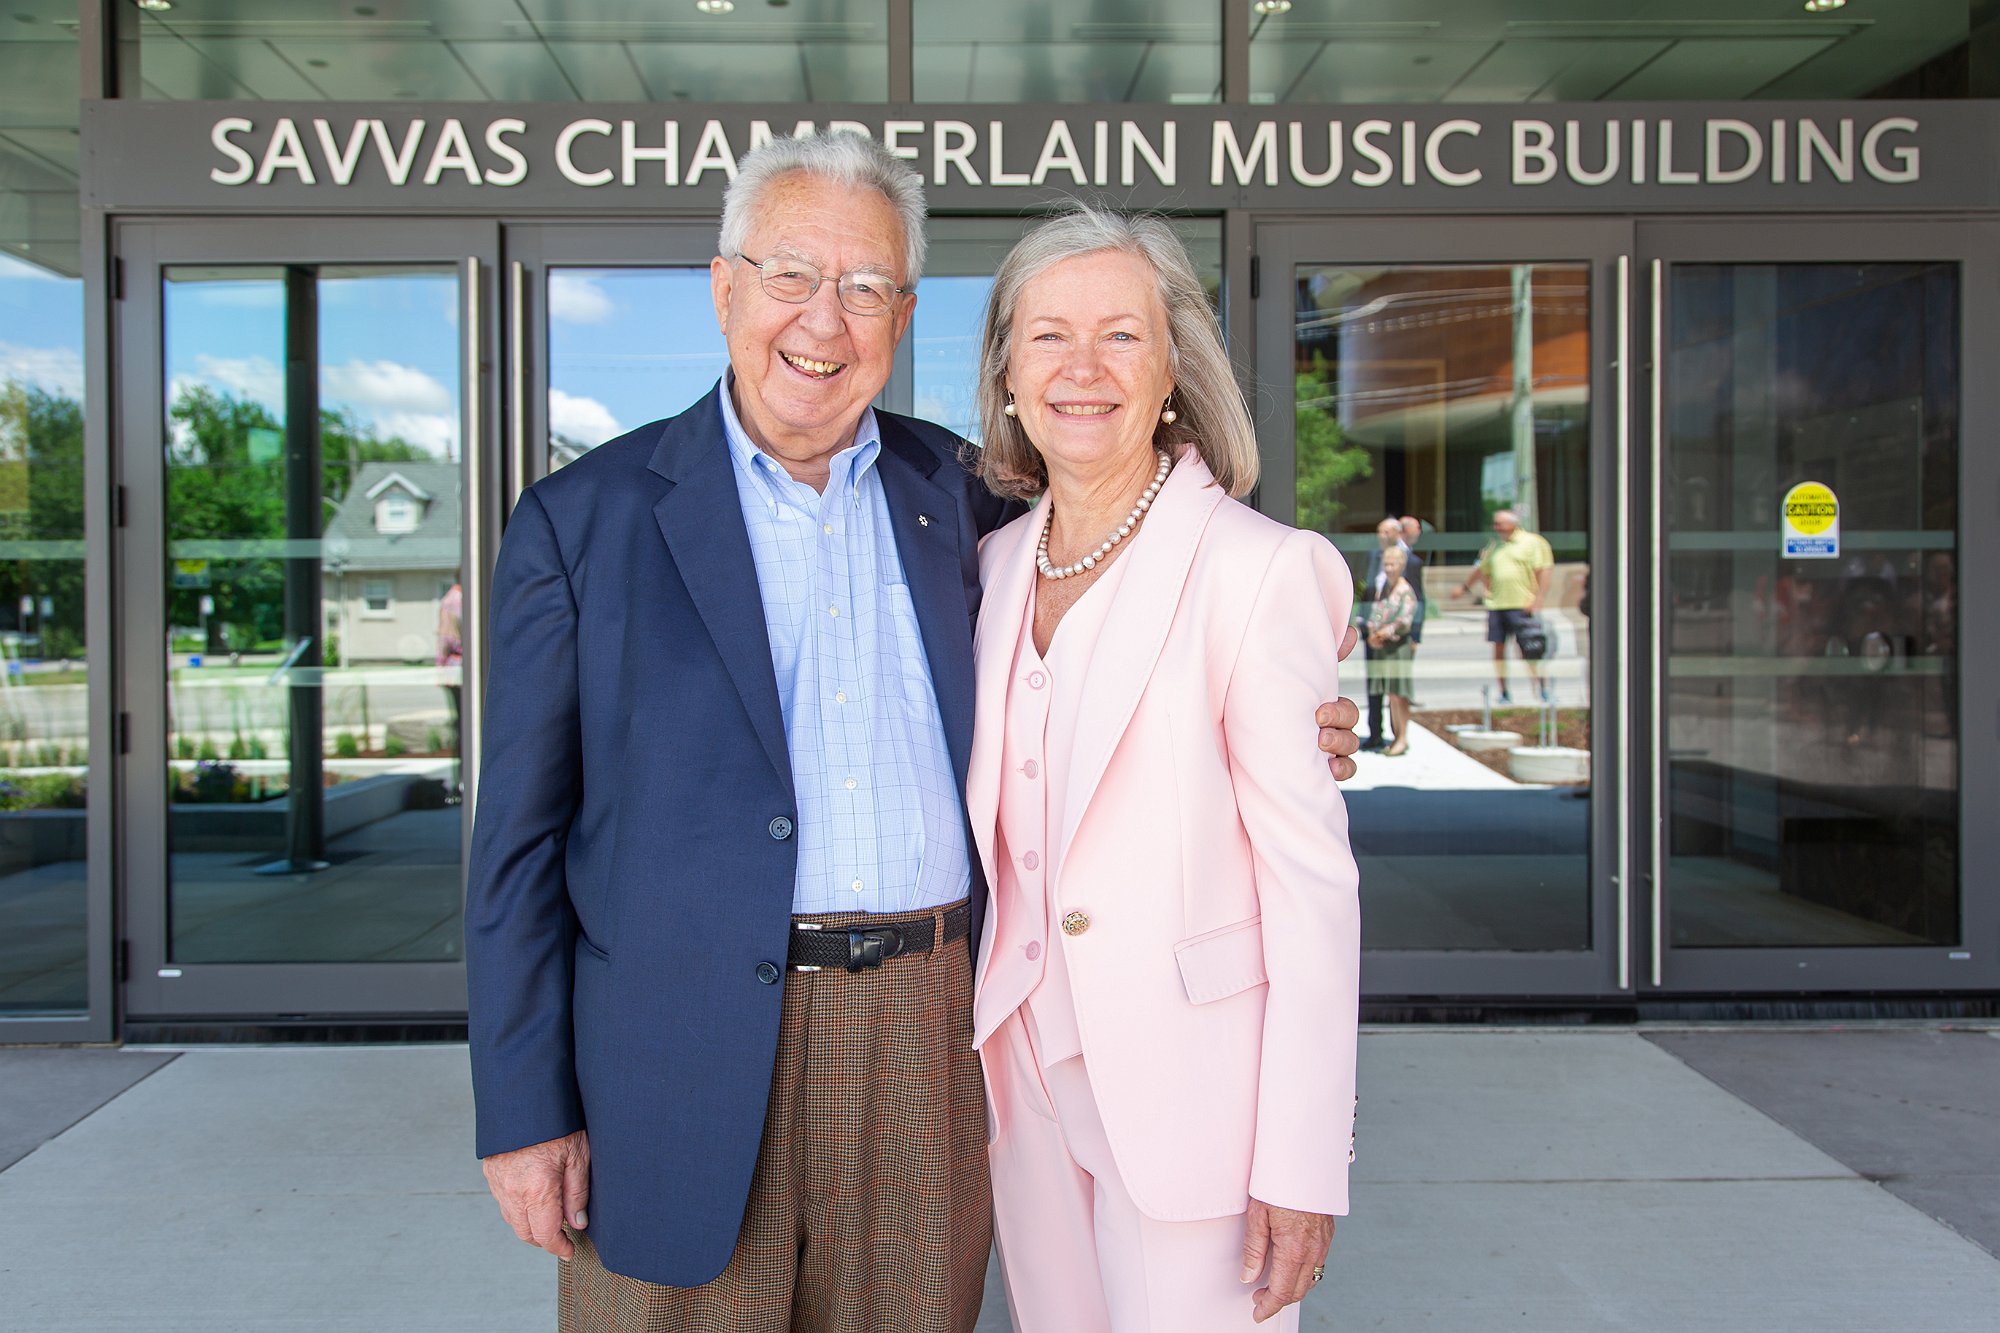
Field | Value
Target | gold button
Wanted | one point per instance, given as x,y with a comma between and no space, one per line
1075,923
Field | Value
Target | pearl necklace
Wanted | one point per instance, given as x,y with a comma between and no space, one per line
1118,534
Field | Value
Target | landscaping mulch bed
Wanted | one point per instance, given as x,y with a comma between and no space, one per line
1572,728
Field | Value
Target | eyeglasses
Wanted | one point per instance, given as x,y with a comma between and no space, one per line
793,281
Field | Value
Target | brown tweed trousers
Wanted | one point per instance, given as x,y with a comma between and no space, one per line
870,1210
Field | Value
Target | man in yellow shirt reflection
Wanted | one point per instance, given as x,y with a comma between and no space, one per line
1515,567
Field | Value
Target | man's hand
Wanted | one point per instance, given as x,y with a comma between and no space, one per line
1337,721
541,1186
1286,1245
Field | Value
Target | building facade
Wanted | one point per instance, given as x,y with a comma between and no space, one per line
295,300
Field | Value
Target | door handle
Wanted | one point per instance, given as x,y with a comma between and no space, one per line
517,382
1622,582
472,586
1658,711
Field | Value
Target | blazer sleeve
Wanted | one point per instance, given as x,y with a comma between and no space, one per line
520,928
1307,885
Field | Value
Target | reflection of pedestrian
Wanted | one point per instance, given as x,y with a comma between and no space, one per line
451,650
1391,639
1413,532
1516,568
1390,534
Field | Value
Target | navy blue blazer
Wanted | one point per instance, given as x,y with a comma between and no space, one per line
630,890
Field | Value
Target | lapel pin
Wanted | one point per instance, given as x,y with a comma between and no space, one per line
923,520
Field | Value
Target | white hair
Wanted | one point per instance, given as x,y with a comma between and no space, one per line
844,158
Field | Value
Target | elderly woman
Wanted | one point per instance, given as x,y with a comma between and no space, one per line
1167,985
1390,648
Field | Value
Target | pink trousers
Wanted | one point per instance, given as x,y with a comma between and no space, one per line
1078,1254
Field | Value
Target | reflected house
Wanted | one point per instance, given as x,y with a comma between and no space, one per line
391,554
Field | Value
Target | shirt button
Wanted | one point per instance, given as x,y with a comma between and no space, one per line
781,828
1031,860
849,784
840,696
767,973
856,886
1036,679
1030,768
828,529
1034,950
833,611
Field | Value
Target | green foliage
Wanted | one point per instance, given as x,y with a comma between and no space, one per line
183,746
225,483
1327,463
41,500
347,745
395,746
42,791
434,741
206,750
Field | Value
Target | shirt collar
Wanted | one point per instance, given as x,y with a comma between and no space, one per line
845,469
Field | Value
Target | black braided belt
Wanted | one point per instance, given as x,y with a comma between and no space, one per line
855,948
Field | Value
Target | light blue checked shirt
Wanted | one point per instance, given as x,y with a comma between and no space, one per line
881,824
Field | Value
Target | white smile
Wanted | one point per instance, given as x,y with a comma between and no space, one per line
817,369
1083,409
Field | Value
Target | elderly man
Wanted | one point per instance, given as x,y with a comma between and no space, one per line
1388,537
1515,567
721,906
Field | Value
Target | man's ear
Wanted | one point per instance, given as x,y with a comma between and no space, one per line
721,284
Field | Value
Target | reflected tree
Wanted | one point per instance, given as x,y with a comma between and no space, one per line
1327,463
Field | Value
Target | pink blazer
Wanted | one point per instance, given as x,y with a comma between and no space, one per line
1216,987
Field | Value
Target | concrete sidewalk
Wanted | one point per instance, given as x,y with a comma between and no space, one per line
1508,1179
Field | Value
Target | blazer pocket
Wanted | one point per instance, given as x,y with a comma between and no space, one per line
1222,962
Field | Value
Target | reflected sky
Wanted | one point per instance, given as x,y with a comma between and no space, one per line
41,328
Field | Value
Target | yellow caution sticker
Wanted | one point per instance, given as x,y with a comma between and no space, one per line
1809,522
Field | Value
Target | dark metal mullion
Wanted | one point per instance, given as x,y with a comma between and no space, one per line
1235,51
902,52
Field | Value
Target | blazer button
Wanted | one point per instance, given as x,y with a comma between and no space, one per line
1075,923
781,828
767,973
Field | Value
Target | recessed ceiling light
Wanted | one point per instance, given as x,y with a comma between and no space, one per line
155,6
1823,6
1270,7
715,6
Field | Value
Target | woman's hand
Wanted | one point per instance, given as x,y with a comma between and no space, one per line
1292,1244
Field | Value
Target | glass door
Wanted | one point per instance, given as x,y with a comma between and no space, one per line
610,326
1821,404
309,510
1442,399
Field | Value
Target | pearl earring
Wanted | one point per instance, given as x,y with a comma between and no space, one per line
1010,409
1169,416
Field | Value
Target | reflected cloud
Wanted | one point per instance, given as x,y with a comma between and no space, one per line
582,419
57,370
578,300
386,386
253,377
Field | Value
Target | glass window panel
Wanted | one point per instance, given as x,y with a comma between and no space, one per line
314,657
44,717
1451,393
1048,51
1617,50
626,346
958,274
1812,704
537,50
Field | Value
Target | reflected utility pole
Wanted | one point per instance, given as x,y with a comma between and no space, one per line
305,804
1523,417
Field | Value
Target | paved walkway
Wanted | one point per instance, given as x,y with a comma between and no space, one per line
1543,1180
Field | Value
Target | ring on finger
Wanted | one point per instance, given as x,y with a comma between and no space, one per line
1319,1271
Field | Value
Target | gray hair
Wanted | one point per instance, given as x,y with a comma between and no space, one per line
842,158
1207,398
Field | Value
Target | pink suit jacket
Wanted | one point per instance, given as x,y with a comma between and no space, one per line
1216,986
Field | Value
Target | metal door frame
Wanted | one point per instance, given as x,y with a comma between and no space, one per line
1975,246
157,988
534,247
1604,968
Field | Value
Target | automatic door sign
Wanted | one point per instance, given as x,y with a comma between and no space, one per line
1810,522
